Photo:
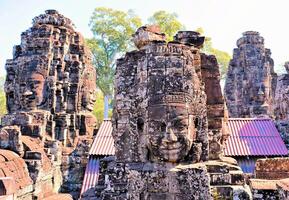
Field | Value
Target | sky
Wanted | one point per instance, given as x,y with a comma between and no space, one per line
223,20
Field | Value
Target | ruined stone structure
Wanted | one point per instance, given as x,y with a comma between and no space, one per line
50,91
281,105
161,124
251,80
271,179
253,89
216,113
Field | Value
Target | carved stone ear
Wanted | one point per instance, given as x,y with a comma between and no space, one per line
45,95
197,122
140,125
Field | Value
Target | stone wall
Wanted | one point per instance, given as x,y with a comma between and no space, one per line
264,189
272,168
50,91
271,179
251,80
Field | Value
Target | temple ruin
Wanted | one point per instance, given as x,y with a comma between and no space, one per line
281,103
251,80
50,90
170,122
253,90
167,125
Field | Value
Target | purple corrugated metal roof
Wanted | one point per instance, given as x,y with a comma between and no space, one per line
103,143
91,175
253,137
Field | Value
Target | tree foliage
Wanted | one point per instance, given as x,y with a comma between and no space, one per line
2,103
222,56
98,108
2,97
167,22
112,30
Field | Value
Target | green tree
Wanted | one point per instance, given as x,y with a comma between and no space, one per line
112,30
167,22
98,108
222,56
2,97
2,103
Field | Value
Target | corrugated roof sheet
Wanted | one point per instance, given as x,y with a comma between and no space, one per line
91,175
253,137
103,143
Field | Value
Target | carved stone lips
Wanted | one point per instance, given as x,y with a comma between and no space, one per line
171,146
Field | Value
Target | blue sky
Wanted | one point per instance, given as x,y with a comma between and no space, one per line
223,20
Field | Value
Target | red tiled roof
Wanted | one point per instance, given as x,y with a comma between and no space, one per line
91,175
253,137
11,165
59,197
7,186
103,143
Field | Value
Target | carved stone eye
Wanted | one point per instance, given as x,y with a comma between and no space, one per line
163,127
140,124
179,125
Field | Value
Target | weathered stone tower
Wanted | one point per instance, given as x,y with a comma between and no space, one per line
50,90
281,105
161,124
251,80
162,91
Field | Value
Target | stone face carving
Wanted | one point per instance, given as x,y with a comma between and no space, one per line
88,89
51,71
251,80
160,124
161,107
170,136
50,90
31,86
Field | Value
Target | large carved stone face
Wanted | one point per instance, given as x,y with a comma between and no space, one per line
31,90
88,100
171,133
89,89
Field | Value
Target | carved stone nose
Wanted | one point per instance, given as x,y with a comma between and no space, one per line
170,136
